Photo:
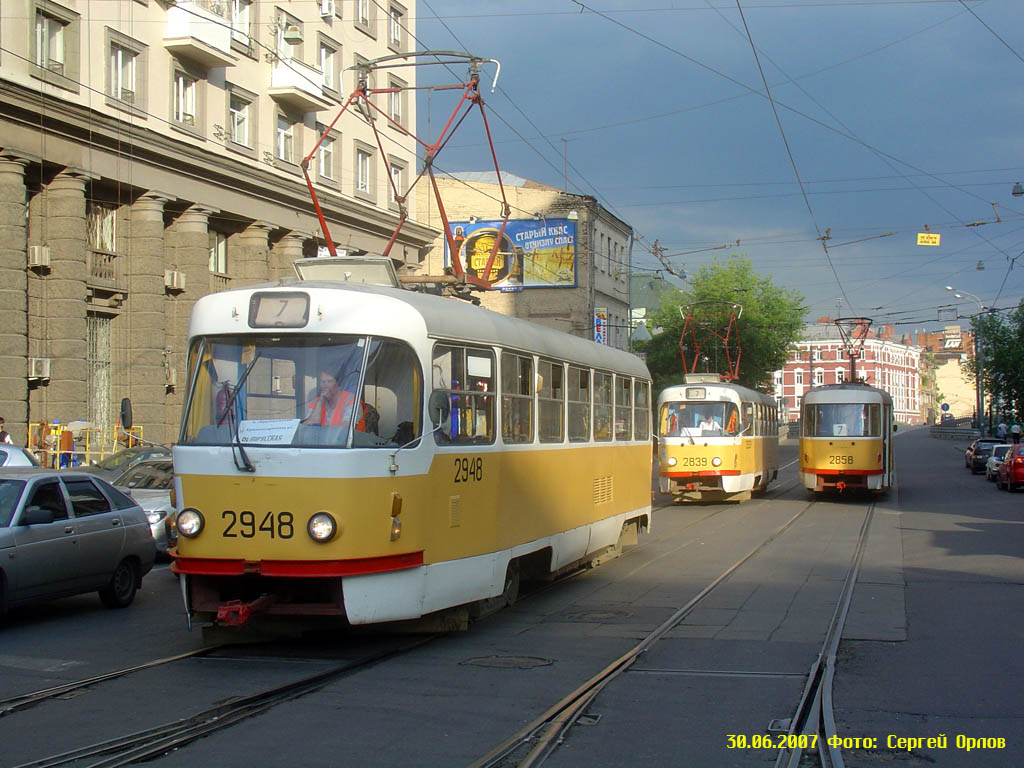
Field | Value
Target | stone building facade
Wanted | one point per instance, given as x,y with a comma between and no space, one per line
149,154
603,251
820,358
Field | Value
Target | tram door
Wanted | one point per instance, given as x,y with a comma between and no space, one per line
887,425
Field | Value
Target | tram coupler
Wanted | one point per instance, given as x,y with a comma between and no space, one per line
235,613
840,486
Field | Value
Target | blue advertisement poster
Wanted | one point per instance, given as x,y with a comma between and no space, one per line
533,253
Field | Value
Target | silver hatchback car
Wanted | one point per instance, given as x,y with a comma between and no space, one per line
64,533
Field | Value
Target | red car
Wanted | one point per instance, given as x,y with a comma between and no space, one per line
1011,470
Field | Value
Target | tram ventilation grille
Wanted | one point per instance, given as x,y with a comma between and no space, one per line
603,489
454,511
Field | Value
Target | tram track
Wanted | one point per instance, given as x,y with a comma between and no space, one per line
158,740
812,722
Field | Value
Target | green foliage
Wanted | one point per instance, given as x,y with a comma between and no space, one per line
770,324
1002,342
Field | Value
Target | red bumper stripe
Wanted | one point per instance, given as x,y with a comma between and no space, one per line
206,566
841,471
703,473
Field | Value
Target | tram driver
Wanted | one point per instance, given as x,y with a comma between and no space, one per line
332,406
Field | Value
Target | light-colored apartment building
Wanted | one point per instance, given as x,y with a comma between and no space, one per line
150,154
566,262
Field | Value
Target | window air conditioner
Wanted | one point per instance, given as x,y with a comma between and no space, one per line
174,280
326,8
39,255
38,368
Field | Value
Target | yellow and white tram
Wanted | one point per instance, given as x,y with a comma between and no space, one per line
846,436
467,446
717,440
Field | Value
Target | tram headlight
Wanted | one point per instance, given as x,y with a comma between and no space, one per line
190,522
321,527
716,462
671,461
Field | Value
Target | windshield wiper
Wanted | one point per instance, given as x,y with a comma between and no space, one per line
246,465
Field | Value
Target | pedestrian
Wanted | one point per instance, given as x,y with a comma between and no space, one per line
1015,433
1001,431
5,438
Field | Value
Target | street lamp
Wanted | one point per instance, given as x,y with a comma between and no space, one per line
978,356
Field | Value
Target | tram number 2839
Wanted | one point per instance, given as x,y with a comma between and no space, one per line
840,459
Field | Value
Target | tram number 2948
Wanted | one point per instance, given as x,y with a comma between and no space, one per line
468,470
244,524
840,459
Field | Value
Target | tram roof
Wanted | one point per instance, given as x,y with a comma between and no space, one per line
442,318
744,393
836,393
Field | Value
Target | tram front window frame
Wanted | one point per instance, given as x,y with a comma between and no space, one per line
264,389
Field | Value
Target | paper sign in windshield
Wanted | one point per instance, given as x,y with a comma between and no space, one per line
271,432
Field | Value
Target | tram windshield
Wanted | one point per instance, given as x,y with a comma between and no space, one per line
324,391
842,420
698,419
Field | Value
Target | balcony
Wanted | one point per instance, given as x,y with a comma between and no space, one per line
105,283
200,32
297,86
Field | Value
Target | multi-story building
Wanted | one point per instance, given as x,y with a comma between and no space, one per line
572,256
954,385
820,358
150,153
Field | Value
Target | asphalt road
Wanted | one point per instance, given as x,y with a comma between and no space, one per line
931,647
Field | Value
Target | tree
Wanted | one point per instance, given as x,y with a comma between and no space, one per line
1002,341
770,323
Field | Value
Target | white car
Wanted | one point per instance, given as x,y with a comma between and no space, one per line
13,456
149,483
992,465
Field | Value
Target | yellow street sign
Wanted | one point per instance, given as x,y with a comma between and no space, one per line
928,238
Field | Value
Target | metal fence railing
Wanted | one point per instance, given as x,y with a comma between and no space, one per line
60,445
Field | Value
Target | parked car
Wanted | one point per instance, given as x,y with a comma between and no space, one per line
112,466
1011,469
149,483
992,465
13,456
64,532
983,447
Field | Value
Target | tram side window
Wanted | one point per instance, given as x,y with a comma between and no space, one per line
603,413
551,401
579,404
623,408
516,398
642,410
467,375
748,419
392,394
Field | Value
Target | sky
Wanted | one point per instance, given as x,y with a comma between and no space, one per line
880,120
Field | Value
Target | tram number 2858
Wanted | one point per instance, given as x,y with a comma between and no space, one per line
840,459
468,470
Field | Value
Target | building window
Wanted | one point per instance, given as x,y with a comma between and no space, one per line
364,16
326,158
840,375
819,376
238,119
396,100
364,173
398,183
218,253
282,47
185,99
101,223
328,54
55,45
50,43
122,73
285,145
396,16
98,343
799,377
239,18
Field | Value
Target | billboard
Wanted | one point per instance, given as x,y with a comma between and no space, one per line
533,253
601,325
